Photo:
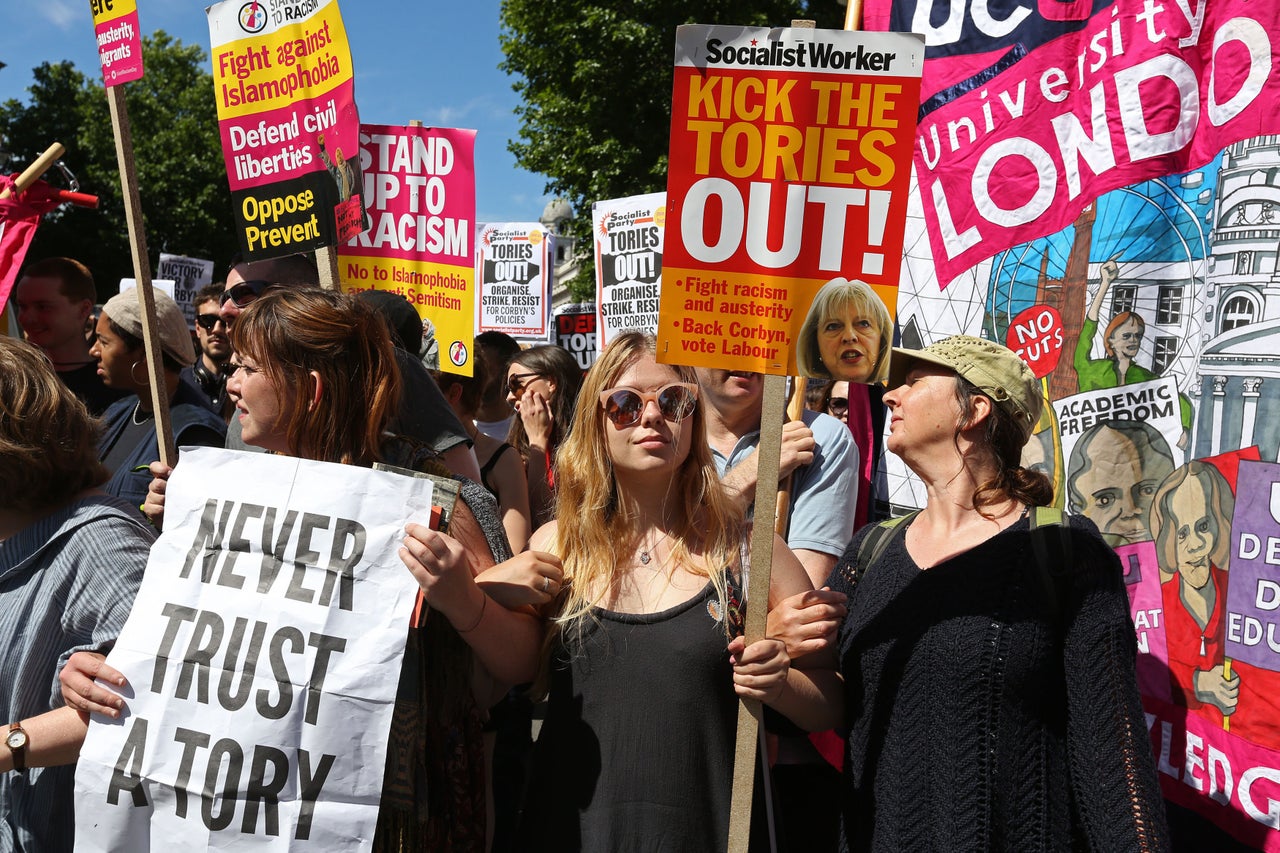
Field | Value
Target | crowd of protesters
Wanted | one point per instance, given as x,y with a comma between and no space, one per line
932,684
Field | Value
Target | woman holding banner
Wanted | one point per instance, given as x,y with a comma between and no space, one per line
991,697
316,378
542,386
71,559
645,663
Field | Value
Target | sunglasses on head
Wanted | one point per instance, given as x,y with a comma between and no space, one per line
245,292
838,405
207,321
624,406
517,383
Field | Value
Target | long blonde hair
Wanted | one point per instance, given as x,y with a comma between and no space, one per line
595,535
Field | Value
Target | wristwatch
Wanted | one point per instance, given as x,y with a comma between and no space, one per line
16,740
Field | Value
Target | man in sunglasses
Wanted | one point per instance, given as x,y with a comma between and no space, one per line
209,373
424,413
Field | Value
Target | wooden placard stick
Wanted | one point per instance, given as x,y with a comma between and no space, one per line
42,164
795,410
747,743
142,272
327,266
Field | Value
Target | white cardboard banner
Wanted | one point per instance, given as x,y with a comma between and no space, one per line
263,654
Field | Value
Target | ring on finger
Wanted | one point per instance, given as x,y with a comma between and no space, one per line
546,585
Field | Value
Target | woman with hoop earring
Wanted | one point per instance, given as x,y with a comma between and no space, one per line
128,444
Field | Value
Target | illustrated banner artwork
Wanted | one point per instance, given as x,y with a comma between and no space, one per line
263,656
421,186
514,278
1151,323
628,241
285,92
115,25
1029,114
790,161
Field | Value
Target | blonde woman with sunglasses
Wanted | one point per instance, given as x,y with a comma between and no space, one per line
644,665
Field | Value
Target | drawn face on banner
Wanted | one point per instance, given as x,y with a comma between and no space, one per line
1115,469
1195,532
1126,339
1191,520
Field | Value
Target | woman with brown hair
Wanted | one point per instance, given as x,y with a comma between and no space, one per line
71,559
542,386
991,699
316,378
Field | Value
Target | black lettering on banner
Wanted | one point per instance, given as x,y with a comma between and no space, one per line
208,539
260,789
309,789
176,614
195,663
234,699
311,522
191,740
237,544
342,564
228,748
324,646
281,672
127,774
273,553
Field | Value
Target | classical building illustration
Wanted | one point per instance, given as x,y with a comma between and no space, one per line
1239,369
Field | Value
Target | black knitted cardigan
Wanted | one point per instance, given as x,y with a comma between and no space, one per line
986,712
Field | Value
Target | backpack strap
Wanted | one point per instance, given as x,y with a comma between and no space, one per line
877,540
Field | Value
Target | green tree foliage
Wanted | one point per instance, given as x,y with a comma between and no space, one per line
182,181
596,82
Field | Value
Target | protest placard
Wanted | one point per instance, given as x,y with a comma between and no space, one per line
263,656
188,276
115,24
284,88
628,242
514,278
576,332
789,166
421,189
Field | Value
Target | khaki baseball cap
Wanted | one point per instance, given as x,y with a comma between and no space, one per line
993,369
171,326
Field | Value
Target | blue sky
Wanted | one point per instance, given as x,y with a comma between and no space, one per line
434,61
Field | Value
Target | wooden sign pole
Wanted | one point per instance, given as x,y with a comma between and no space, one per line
749,740
142,272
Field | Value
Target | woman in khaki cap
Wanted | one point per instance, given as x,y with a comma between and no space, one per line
991,702
128,444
